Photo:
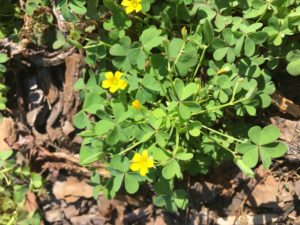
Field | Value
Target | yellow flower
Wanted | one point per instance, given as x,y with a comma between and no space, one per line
132,5
136,104
114,82
141,162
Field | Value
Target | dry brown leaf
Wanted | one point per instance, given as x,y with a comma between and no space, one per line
264,193
30,202
6,131
72,189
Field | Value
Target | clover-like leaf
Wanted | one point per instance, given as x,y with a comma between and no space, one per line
264,136
131,183
275,150
171,169
151,38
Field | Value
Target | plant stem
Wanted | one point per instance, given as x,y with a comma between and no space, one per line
131,147
221,145
200,62
176,144
96,45
221,134
231,103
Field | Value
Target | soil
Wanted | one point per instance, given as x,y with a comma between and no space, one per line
42,102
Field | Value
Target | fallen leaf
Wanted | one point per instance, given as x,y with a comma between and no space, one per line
264,194
6,131
30,202
72,189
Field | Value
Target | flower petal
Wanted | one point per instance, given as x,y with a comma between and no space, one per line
122,84
136,157
106,84
144,171
145,154
126,3
118,74
109,75
129,9
113,88
138,8
135,166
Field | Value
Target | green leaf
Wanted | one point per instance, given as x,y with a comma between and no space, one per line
188,90
131,183
5,154
19,193
171,169
258,37
151,38
117,182
180,198
147,136
36,180
184,156
159,154
249,47
3,58
77,8
264,136
80,120
179,87
275,150
89,154
218,43
244,167
103,127
184,111
188,58
265,157
293,67
194,128
220,53
245,147
208,31
93,102
250,158
162,187
174,48
120,163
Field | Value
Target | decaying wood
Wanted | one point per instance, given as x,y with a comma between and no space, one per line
59,17
285,105
37,58
74,64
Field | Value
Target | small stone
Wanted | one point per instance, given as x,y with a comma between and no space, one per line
53,215
70,211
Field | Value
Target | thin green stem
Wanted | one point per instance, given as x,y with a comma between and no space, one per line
96,45
221,134
221,145
5,170
262,15
131,147
200,62
220,106
176,143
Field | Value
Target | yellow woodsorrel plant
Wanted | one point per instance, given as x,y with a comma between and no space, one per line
192,73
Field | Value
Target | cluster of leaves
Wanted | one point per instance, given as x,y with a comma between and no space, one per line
16,181
192,72
192,66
